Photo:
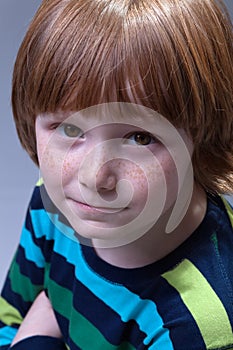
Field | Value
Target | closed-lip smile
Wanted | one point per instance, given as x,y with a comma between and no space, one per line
87,207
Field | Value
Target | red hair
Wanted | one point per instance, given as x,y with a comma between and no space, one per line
174,56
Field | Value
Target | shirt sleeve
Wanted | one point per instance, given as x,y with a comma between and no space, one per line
38,343
26,275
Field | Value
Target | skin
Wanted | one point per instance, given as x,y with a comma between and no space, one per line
40,320
103,174
82,161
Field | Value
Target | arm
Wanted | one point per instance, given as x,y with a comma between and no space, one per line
39,328
26,276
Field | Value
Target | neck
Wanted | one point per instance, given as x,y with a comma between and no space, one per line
156,243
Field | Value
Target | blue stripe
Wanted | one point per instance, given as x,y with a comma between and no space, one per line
7,334
133,304
48,224
32,252
70,249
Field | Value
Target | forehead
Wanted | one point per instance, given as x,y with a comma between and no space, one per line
108,113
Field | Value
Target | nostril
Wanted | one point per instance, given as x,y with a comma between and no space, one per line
105,182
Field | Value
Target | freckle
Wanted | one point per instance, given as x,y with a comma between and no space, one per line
49,160
66,167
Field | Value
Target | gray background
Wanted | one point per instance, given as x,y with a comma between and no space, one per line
18,174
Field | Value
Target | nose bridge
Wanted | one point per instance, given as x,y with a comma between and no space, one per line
97,171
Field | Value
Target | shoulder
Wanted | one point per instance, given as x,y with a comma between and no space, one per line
202,280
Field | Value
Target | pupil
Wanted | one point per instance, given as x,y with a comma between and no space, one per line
143,139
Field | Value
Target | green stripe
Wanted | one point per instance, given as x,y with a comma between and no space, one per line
203,303
9,314
83,333
40,182
22,284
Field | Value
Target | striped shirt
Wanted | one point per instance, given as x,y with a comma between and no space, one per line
181,302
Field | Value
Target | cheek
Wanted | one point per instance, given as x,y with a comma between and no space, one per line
171,181
47,161
170,173
137,177
52,164
149,177
159,181
56,164
167,181
41,145
69,167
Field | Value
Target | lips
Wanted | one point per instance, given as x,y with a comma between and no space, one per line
95,209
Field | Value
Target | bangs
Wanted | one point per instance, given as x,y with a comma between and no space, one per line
172,56
86,53
84,61
81,53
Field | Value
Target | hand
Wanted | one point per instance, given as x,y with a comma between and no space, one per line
40,320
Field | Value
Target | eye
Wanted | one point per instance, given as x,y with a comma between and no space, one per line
70,130
141,138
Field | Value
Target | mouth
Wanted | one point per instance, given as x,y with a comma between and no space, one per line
97,209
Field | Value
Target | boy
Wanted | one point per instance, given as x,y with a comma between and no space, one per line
126,106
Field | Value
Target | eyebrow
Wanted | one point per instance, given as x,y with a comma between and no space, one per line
57,116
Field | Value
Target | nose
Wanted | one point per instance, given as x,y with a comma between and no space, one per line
106,178
97,172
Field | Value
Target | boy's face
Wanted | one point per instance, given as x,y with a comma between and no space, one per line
113,169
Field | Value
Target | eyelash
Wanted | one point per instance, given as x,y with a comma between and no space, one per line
62,127
151,140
